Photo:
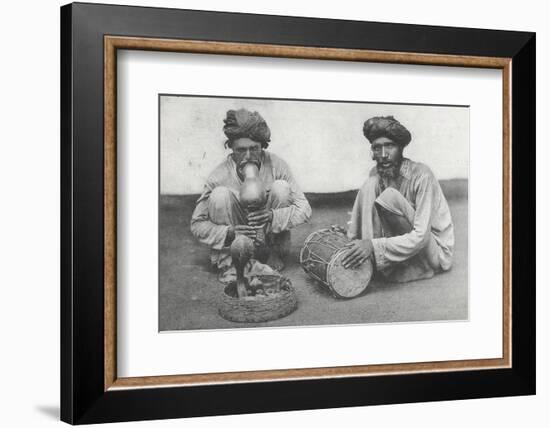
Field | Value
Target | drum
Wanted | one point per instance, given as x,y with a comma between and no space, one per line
321,258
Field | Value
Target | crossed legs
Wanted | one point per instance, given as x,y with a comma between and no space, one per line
397,218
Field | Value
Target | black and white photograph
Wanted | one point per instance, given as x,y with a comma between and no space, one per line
292,212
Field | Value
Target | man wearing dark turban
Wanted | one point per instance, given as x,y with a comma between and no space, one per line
400,218
220,217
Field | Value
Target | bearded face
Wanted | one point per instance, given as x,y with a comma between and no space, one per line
388,156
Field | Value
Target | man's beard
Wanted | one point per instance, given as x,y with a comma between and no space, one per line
389,172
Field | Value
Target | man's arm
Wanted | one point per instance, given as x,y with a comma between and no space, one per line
355,224
299,210
361,227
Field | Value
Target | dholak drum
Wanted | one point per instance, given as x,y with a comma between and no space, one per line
321,257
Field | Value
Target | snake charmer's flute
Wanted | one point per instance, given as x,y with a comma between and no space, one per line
252,196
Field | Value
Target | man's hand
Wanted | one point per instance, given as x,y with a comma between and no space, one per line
241,229
359,251
260,217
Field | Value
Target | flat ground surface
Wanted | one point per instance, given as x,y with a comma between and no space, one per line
189,290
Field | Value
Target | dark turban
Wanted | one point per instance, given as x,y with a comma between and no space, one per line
388,127
245,124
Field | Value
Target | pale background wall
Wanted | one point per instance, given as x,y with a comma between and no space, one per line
322,142
29,219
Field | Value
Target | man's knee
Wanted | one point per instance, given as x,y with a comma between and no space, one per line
280,192
220,198
389,199
223,206
395,211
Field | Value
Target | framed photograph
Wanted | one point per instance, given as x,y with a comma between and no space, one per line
266,213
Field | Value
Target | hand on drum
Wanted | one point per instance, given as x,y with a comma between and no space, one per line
359,251
260,217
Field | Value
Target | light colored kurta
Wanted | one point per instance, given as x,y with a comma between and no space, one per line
432,218
272,168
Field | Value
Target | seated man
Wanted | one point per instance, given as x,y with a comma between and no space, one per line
219,216
400,215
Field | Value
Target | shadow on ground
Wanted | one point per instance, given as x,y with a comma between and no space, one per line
189,291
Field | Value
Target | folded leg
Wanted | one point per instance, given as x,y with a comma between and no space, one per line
279,243
397,218
224,208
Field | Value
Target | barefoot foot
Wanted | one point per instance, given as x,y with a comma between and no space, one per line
275,262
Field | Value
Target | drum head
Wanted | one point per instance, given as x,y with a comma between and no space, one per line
348,283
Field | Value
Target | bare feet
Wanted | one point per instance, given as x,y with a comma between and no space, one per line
275,262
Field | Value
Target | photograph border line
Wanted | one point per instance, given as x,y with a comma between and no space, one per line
230,97
312,100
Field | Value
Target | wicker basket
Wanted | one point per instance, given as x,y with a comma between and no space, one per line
259,308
